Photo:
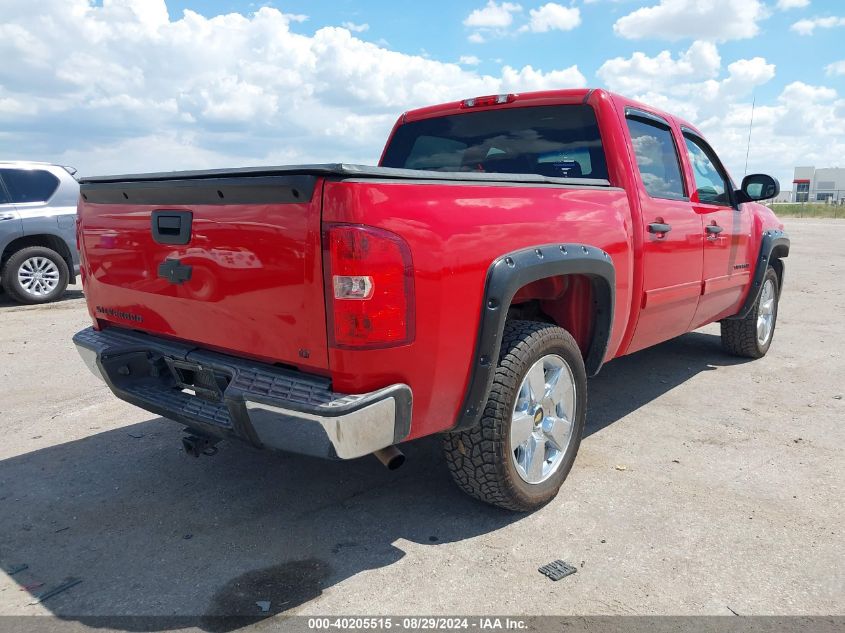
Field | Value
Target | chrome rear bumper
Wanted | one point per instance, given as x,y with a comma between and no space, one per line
227,396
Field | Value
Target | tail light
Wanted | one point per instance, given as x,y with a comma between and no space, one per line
369,287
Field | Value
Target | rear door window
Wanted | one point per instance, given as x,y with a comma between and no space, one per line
29,185
555,141
657,158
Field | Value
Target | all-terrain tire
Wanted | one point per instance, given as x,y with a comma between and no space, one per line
740,336
481,459
58,274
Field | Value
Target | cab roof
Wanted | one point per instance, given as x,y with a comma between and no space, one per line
544,97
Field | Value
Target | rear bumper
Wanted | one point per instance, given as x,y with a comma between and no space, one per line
267,406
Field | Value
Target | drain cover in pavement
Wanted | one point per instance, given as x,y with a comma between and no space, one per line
557,570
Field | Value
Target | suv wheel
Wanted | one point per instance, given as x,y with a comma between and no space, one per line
35,274
523,448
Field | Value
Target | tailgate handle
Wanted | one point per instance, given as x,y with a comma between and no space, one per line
172,227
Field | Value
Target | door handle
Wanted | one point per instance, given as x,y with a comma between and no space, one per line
714,229
659,227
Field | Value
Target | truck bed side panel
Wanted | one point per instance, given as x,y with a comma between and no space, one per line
456,230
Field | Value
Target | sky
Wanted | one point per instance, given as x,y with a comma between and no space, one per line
116,86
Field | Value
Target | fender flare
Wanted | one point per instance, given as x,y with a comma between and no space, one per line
774,245
505,277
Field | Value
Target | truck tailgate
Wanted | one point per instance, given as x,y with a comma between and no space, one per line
230,263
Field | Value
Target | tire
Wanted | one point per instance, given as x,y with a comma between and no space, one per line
28,263
741,337
483,460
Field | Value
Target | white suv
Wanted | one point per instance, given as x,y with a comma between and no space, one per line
38,256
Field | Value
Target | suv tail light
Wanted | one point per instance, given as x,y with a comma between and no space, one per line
369,287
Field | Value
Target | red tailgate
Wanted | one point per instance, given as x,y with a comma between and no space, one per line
247,278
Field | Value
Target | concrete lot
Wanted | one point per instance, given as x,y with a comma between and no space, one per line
705,485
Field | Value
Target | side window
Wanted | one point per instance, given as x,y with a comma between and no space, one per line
4,199
711,183
657,159
29,185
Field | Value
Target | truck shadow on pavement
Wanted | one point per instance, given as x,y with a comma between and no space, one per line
161,541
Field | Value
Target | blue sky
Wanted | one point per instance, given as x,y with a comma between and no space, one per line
408,27
124,85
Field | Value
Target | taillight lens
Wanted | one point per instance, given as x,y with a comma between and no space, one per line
369,287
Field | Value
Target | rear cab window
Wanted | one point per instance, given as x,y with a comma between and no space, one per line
657,157
555,141
29,185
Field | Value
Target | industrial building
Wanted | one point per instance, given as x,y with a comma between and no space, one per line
819,185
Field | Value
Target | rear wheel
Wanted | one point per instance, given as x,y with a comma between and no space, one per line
752,336
35,274
523,448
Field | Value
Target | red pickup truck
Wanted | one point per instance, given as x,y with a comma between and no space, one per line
503,250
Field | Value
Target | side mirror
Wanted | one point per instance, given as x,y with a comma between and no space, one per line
758,187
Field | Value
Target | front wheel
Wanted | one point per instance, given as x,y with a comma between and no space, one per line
521,451
752,335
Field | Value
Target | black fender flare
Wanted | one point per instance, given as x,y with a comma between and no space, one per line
505,277
773,246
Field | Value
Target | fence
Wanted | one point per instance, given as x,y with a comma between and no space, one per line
808,210
827,203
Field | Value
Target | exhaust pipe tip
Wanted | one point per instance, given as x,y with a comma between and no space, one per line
194,446
391,457
189,445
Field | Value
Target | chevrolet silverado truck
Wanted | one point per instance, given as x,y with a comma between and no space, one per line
504,249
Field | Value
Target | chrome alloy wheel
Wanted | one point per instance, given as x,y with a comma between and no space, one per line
766,313
38,276
543,419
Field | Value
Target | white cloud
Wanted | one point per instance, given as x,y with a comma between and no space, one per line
640,72
714,20
784,5
121,87
356,28
527,79
13,106
493,15
553,17
691,84
469,60
836,68
805,124
493,20
807,26
496,20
